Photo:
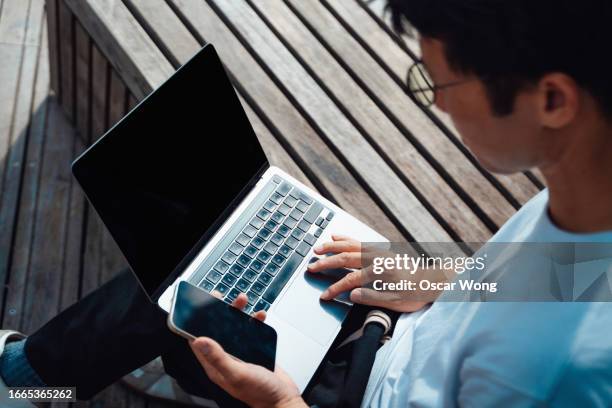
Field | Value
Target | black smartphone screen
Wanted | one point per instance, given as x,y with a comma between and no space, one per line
198,314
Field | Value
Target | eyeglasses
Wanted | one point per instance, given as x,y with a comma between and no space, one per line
421,86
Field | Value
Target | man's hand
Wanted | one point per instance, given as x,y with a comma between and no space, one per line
250,383
348,254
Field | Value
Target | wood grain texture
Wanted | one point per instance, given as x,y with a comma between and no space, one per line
66,56
52,35
123,42
331,175
82,81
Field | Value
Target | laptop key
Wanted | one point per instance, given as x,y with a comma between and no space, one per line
271,225
243,260
242,285
282,277
271,248
304,197
319,221
303,248
235,248
265,279
330,215
324,224
221,266
258,288
297,234
283,230
263,214
284,250
290,201
229,257
250,251
258,242
263,256
222,289
313,212
269,205
265,233
232,295
277,239
276,198
214,276
277,179
256,222
318,232
284,209
277,217
295,214
271,269
252,297
291,242
247,309
295,193
261,305
228,279
236,270
207,285
278,259
284,188
257,266
309,239
304,225
302,206
249,275
243,239
290,223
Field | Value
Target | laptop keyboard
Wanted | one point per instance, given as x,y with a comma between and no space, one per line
262,256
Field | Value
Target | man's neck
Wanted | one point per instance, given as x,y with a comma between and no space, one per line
580,184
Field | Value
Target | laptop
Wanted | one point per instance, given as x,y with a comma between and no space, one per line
185,189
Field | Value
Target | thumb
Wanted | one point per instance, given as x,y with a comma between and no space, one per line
215,360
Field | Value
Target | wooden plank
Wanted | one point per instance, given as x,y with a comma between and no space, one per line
83,80
16,109
389,141
99,93
54,45
24,234
49,243
183,44
66,37
276,154
397,60
124,42
399,201
117,99
326,171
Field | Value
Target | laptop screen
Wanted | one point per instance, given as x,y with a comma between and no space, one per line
165,176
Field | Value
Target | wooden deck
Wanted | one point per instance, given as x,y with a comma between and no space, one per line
321,83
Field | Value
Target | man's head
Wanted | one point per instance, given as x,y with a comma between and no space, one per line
537,71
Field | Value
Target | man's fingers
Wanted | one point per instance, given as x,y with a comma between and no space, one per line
218,364
217,294
343,260
260,315
240,302
350,281
337,247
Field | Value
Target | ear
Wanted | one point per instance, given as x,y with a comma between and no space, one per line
559,100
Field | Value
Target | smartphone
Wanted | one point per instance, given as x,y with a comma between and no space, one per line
196,313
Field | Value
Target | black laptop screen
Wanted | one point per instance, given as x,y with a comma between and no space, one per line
164,175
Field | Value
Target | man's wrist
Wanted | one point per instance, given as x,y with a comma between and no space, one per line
293,402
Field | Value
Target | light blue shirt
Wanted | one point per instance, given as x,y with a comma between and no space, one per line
500,354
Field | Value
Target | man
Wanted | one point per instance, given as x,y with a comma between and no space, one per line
526,84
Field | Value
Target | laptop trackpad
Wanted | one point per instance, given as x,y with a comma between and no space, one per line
300,306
